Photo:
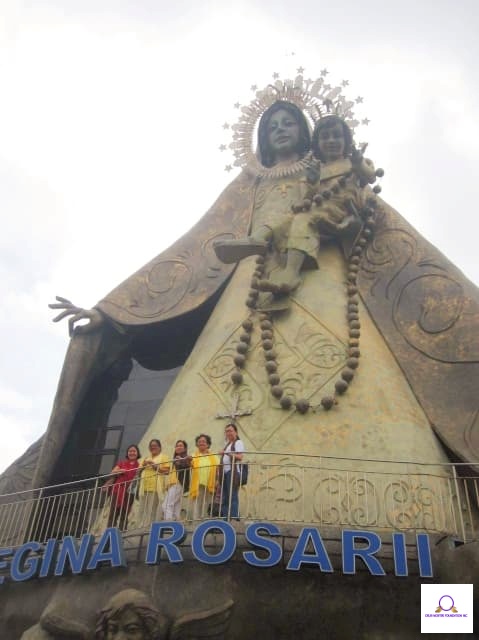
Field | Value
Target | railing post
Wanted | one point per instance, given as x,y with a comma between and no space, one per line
92,506
32,518
303,496
458,493
334,490
230,488
468,503
410,486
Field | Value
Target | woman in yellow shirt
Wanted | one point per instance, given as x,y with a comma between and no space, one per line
203,476
152,484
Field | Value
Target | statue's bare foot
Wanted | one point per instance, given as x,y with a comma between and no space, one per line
280,283
270,302
230,251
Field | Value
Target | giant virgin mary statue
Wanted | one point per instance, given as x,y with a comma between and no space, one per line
325,318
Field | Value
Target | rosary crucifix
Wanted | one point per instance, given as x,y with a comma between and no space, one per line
235,412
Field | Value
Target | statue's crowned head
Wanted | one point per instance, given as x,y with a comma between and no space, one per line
332,139
283,134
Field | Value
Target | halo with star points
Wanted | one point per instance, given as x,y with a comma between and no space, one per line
315,97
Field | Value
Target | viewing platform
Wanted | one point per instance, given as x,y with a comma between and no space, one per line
297,490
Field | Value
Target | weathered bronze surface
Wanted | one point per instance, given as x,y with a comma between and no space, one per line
428,313
425,309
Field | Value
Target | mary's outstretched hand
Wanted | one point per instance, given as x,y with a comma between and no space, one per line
94,317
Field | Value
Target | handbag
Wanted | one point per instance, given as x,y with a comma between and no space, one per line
242,470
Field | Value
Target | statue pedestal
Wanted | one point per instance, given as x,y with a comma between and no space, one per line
269,603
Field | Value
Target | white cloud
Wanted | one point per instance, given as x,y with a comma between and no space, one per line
20,437
11,399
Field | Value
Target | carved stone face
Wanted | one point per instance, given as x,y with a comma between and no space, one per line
127,625
283,135
331,143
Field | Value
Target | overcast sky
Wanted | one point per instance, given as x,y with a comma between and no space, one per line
111,115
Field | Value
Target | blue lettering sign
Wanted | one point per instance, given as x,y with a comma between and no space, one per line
23,567
77,557
424,555
109,550
33,559
319,557
157,541
350,551
275,552
49,553
399,552
198,542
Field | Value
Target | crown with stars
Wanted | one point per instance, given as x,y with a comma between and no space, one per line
316,98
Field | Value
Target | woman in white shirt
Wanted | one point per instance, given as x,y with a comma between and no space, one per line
231,456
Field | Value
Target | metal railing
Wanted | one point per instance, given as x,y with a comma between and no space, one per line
380,495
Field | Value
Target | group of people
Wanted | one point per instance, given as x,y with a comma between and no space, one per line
154,486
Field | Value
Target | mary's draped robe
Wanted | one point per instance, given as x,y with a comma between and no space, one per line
420,348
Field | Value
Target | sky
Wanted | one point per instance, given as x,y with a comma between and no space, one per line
111,115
